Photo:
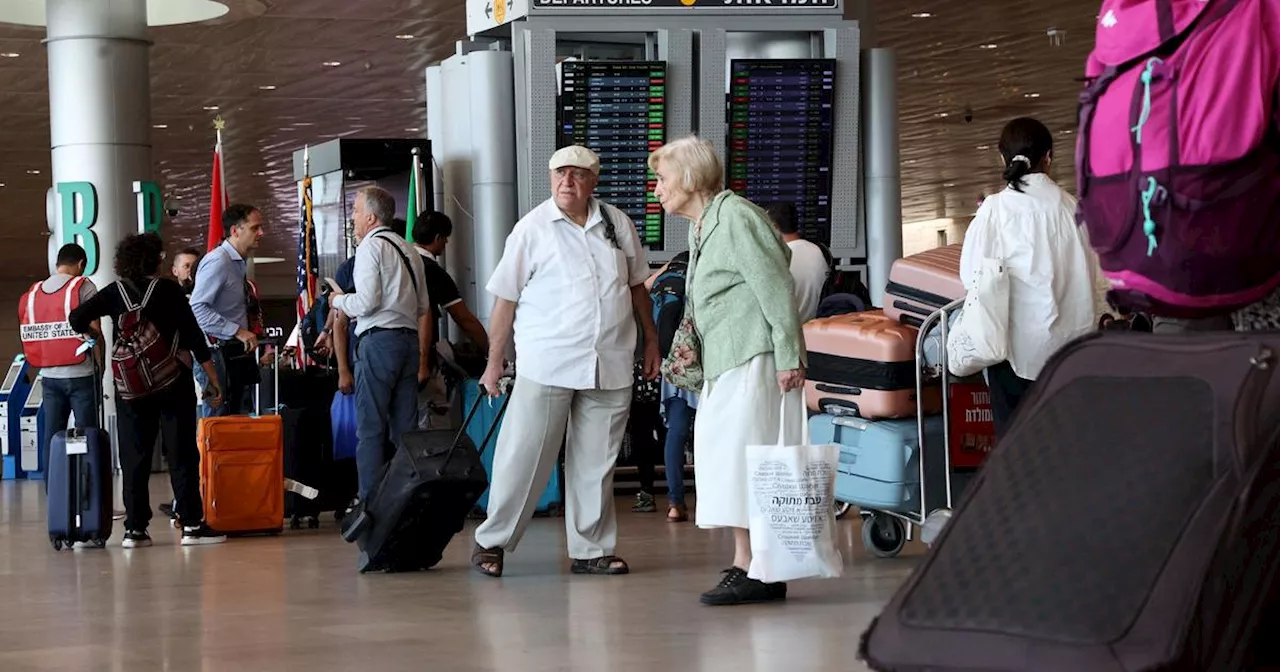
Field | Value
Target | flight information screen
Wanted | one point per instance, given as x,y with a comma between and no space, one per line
780,137
618,110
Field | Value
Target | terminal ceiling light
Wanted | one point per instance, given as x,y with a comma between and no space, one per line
989,46
404,37
331,64
33,172
267,87
159,12
948,185
210,108
10,54
922,15
160,126
1030,95
412,130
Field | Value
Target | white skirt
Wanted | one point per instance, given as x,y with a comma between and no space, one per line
740,408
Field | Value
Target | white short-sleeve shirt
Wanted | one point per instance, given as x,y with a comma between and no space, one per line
574,323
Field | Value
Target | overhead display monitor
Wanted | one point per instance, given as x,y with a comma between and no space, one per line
618,110
11,378
780,125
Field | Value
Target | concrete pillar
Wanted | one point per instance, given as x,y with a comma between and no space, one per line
100,123
100,129
493,166
882,186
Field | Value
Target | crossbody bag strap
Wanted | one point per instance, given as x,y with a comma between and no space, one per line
403,257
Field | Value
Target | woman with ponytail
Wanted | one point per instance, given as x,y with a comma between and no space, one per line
1056,290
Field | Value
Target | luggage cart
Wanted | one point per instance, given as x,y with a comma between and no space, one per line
885,533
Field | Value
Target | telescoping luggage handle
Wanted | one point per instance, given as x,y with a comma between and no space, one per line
462,431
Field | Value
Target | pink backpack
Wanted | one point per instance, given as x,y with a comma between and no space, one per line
1178,156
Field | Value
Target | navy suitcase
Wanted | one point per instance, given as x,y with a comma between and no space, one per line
79,480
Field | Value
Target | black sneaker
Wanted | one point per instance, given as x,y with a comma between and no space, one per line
644,503
136,539
201,535
736,588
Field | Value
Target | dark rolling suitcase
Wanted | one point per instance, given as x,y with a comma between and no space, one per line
1127,521
79,486
421,500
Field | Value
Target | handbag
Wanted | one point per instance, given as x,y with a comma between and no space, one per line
791,494
980,337
683,365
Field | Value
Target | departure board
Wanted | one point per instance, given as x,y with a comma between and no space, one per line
780,137
618,110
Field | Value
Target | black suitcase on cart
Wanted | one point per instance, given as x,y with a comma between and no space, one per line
1129,520
422,498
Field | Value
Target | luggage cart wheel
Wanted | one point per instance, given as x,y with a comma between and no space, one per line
883,535
100,543
57,544
842,509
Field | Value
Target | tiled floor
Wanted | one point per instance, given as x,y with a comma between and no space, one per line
295,602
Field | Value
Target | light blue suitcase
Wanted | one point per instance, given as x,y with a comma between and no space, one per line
486,416
880,459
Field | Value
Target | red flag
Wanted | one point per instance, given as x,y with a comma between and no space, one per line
218,200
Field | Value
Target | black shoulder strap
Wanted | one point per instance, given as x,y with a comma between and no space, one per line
610,229
407,265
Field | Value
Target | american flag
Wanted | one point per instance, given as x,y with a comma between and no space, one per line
308,260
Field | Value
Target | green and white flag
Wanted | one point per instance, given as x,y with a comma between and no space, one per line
416,203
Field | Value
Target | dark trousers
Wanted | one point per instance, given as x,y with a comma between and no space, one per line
645,431
64,396
1007,391
172,412
237,385
386,398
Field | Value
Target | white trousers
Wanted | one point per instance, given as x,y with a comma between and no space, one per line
740,408
527,450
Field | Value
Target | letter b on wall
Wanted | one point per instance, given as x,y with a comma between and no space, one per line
77,212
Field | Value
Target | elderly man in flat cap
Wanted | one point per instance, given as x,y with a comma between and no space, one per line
570,290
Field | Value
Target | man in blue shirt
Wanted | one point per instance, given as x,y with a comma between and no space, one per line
220,302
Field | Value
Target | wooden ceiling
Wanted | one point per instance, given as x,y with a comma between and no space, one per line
272,78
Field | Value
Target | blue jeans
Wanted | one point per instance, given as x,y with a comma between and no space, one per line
237,400
386,398
679,424
62,396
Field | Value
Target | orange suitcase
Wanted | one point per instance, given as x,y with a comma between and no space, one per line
864,364
922,283
242,473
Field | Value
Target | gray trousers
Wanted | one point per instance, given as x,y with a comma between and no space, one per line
527,450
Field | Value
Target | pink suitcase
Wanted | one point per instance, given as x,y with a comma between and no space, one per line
922,283
864,364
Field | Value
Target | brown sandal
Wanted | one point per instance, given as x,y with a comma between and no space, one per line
608,565
487,561
677,513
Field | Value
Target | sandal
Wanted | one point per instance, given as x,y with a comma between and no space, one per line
610,565
487,561
677,513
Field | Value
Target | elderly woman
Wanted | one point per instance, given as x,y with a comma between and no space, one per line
740,293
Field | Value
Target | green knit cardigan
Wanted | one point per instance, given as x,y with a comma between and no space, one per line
741,289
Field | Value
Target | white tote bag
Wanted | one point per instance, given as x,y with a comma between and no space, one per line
791,490
980,336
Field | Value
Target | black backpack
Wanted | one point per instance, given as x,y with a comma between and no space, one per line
667,295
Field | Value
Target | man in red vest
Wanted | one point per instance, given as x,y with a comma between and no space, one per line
50,344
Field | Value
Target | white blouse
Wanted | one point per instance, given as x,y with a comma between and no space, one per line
1057,290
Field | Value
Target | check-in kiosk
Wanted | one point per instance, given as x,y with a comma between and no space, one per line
31,458
13,396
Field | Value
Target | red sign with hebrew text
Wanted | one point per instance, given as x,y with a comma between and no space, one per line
971,427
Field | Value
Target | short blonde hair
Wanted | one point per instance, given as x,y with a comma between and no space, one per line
697,168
